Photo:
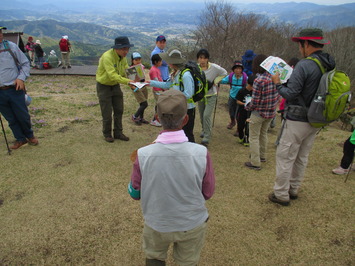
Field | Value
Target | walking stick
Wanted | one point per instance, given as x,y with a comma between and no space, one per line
347,175
215,107
7,144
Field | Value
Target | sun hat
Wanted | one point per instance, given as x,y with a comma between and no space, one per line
173,56
161,38
38,41
172,102
237,64
65,37
3,28
122,42
248,55
311,34
136,55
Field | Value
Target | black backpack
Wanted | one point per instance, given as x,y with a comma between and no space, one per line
200,81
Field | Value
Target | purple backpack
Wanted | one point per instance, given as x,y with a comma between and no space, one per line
244,81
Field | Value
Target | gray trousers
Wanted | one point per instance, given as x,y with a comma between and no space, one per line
292,157
111,101
206,116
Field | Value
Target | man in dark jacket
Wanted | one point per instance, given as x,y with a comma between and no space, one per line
298,135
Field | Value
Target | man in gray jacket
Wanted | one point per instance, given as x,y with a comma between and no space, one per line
298,135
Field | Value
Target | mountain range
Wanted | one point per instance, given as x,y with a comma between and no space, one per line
95,24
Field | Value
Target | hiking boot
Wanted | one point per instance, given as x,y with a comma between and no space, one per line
249,165
136,120
143,121
202,135
246,143
293,196
340,171
33,141
236,134
69,66
263,160
63,67
17,144
155,123
231,124
122,137
273,199
109,139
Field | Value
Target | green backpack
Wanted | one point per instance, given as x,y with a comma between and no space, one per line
331,97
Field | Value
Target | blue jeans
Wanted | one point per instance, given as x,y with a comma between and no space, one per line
14,109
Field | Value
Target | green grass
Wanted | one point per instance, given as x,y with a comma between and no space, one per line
66,202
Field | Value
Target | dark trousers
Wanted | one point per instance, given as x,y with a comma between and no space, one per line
348,154
241,122
233,107
141,109
111,101
14,109
189,127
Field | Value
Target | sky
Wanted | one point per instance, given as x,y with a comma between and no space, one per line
320,2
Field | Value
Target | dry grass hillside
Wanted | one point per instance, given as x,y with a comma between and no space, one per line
66,202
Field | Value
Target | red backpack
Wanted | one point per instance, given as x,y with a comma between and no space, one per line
63,45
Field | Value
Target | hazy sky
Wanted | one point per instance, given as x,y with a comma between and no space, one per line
321,2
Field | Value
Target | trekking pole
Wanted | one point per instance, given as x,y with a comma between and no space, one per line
215,107
347,175
7,144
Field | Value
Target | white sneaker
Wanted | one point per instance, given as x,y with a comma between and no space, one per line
155,123
340,171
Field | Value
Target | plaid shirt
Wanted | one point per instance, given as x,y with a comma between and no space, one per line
265,96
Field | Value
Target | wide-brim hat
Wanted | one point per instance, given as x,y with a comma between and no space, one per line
122,42
173,57
248,55
172,103
38,42
311,34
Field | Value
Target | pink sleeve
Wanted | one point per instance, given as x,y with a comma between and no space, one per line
136,176
208,183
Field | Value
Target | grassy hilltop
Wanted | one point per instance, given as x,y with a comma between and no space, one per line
66,202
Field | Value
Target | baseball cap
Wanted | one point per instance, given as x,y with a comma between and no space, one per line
160,38
136,55
172,102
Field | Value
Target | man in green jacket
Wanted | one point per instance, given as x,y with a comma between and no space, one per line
109,75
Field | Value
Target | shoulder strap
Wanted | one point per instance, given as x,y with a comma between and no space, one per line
7,49
318,63
230,77
181,84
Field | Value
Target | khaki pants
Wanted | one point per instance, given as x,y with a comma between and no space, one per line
258,128
111,100
206,112
66,59
292,157
187,245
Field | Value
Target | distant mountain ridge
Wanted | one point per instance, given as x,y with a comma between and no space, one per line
115,14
